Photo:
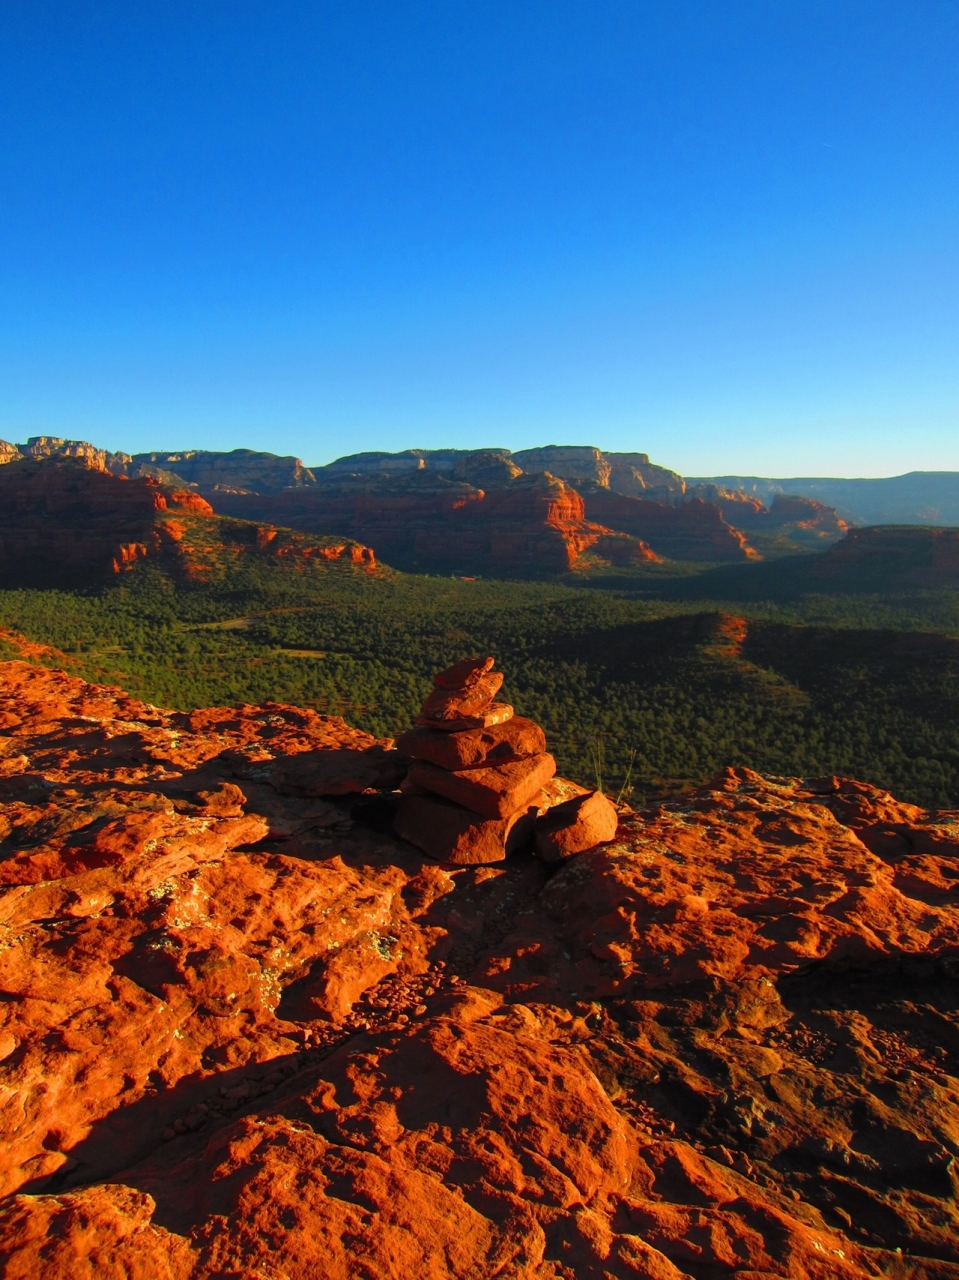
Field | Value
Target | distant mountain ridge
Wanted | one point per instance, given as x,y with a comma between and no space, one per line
473,511
70,511
917,497
186,468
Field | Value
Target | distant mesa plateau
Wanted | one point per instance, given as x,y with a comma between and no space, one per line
546,511
284,999
538,512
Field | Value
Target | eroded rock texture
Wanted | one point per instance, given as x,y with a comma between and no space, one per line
246,1032
414,519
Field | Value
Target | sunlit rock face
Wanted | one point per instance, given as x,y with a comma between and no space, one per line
247,1030
68,521
538,512
417,521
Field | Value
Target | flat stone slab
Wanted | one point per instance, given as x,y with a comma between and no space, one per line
496,713
495,791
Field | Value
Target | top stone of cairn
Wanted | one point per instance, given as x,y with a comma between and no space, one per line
462,697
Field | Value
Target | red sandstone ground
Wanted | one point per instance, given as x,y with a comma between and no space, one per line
248,1033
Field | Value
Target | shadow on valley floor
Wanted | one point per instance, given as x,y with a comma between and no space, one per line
784,580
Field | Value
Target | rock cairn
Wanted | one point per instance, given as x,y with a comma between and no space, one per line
478,784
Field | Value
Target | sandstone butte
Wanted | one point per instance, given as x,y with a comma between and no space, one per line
248,1032
68,520
914,555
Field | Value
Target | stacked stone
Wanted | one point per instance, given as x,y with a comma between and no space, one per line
474,790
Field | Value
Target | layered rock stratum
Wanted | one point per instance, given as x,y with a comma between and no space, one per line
538,511
246,1031
416,521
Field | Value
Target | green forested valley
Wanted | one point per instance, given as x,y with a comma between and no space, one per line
646,687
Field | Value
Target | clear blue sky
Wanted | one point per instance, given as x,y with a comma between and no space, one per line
719,231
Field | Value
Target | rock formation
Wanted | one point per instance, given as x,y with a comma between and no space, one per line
918,497
247,1032
904,555
694,531
625,472
243,470
785,512
480,776
55,447
66,521
417,521
538,511
631,473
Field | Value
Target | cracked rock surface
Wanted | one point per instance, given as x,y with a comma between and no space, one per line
246,1031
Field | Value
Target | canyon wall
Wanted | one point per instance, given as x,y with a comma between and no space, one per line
694,531
536,511
536,524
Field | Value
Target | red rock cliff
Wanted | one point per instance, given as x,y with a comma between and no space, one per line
64,521
694,530
534,524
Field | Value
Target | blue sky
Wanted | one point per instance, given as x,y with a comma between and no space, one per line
721,233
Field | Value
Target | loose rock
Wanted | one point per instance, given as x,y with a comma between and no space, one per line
575,826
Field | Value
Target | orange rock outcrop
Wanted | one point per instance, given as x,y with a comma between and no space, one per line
247,1032
694,530
68,520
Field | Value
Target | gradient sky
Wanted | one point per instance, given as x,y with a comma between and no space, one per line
721,232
